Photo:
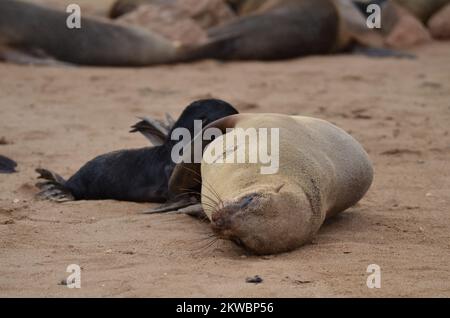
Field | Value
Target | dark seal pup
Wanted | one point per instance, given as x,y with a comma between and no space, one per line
139,175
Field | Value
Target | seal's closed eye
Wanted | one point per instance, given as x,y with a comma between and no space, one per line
246,200
237,241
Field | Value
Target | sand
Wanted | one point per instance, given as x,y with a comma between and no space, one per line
59,117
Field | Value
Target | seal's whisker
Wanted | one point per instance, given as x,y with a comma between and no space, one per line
213,192
212,247
208,248
213,202
185,193
204,195
211,188
203,239
213,207
208,243
203,182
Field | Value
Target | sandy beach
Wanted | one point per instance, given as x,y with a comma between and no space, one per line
61,117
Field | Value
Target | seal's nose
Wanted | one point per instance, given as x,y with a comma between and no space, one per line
219,221
222,219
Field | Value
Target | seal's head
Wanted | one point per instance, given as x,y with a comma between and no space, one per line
206,110
265,221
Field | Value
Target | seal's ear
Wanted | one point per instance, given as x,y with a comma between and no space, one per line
154,130
187,175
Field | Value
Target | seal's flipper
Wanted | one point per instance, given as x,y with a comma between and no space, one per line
170,122
7,165
154,130
194,210
173,206
53,192
54,188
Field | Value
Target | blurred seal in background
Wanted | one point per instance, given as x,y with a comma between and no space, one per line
40,32
151,32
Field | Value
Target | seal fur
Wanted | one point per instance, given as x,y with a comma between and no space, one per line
31,27
139,175
322,172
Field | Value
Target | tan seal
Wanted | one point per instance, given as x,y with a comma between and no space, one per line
322,171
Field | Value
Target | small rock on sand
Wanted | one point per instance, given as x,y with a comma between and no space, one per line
254,280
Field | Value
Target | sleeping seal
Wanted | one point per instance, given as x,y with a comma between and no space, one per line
139,175
31,28
283,29
322,171
302,27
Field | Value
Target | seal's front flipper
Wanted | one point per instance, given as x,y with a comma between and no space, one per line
381,52
170,122
194,210
173,206
7,165
154,130
53,188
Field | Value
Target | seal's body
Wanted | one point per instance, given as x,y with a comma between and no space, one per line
282,29
139,175
322,171
34,28
289,29
278,29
